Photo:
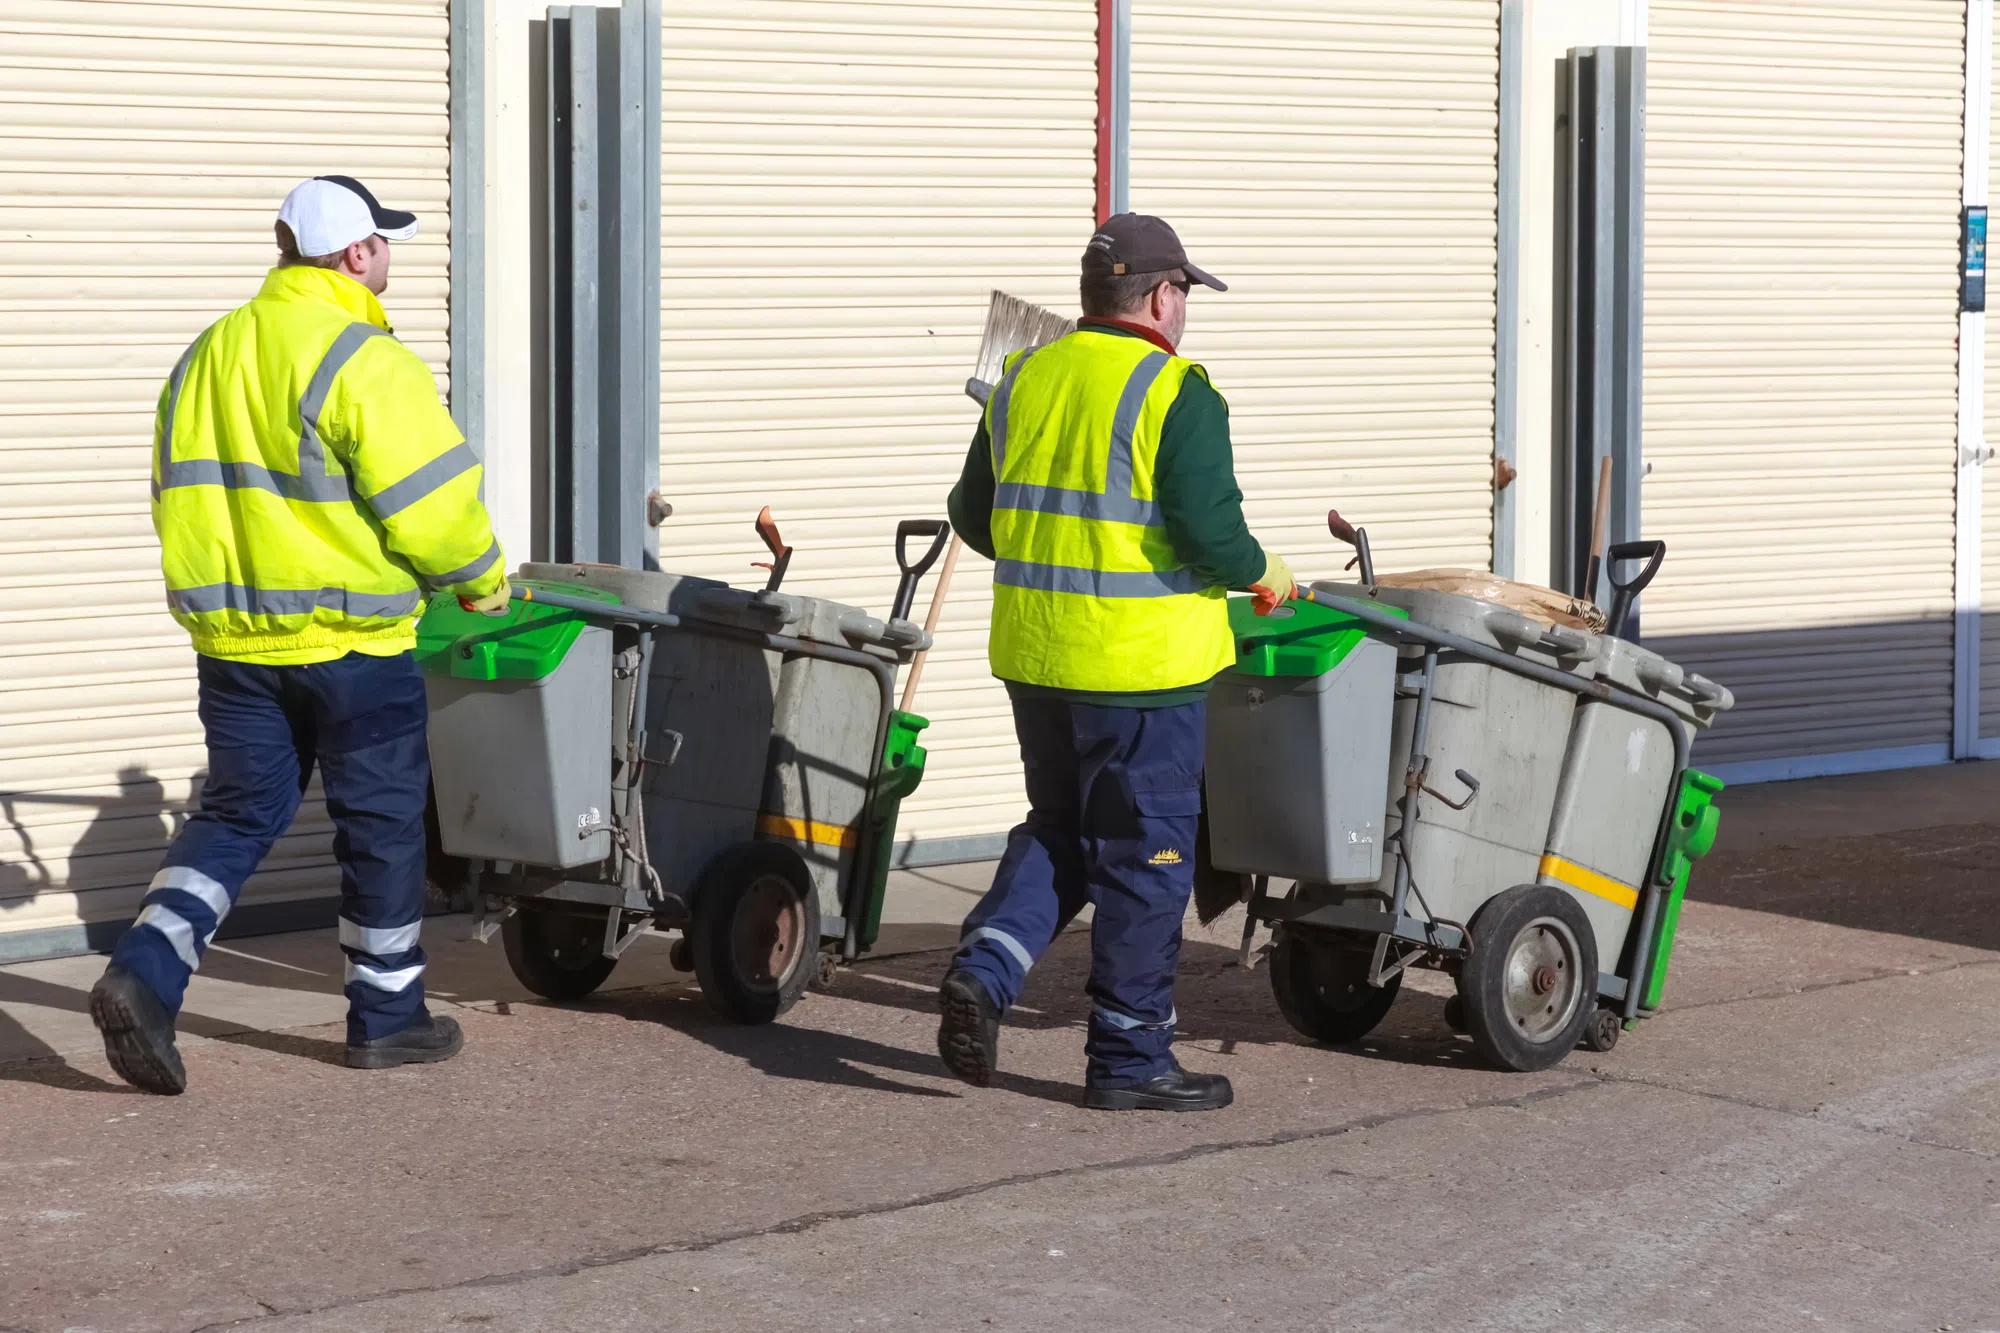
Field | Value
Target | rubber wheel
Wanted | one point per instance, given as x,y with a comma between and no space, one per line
557,953
1531,983
1601,1032
756,932
1322,987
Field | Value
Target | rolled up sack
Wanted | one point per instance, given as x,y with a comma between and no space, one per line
1544,604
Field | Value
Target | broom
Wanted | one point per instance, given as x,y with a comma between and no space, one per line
1012,325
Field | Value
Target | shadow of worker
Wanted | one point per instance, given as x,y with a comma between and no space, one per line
126,835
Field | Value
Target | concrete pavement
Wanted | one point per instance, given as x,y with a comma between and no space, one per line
1807,1137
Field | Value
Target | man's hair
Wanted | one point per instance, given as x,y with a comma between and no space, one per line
289,256
1106,295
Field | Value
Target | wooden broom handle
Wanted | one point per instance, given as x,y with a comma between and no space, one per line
931,620
1600,523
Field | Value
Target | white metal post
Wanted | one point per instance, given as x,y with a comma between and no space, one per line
1972,448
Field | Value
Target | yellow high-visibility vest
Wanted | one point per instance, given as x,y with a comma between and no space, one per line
1087,591
308,486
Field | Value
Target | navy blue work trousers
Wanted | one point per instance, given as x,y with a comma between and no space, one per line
1114,799
361,719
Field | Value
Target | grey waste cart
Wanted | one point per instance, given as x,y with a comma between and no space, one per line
1501,734
630,749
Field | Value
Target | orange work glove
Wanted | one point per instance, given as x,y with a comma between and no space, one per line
1275,586
493,603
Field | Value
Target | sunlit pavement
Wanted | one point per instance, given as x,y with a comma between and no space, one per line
1806,1138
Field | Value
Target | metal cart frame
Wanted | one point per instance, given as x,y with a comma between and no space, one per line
1403,940
636,879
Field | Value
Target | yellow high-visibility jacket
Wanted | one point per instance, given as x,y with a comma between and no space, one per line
1088,593
308,486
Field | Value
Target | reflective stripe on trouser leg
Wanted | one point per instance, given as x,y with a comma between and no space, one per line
247,802
383,963
376,771
1038,888
1142,807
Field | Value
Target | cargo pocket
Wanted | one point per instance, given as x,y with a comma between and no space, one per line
1168,820
1167,802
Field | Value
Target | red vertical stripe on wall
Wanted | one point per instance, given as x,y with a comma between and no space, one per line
1106,72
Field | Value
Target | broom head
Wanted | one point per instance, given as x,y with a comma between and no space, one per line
1012,325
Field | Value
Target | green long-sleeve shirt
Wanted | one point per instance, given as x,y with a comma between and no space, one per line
1194,481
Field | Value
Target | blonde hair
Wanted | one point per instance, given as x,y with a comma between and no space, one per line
289,256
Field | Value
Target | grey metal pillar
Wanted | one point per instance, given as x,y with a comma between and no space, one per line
1603,302
638,249
603,272
468,221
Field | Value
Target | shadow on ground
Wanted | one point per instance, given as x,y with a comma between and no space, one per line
1938,883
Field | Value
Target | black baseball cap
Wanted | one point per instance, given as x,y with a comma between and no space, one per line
1139,243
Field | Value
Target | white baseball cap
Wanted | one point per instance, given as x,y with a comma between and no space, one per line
329,213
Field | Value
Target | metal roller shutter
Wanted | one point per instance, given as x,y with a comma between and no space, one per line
144,148
1335,163
843,184
1802,198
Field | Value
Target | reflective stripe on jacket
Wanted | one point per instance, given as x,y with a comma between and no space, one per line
1088,592
308,486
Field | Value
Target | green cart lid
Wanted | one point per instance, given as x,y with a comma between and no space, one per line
1309,641
527,643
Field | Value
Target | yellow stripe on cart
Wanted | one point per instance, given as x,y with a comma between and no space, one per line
1589,881
807,831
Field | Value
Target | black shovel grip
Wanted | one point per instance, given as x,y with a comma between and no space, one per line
939,532
936,529
1625,593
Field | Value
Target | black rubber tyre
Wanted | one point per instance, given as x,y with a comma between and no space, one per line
1322,989
1454,1014
1531,983
557,952
1601,1032
756,932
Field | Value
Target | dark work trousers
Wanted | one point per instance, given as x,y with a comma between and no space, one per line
361,718
1114,798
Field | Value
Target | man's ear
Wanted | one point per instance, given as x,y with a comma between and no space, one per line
354,259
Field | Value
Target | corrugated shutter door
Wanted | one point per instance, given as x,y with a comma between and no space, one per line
1802,194
1335,163
144,148
843,185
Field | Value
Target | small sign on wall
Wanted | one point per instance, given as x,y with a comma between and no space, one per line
1972,260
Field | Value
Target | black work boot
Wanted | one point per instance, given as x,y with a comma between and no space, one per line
969,1034
436,1038
138,1033
1175,1090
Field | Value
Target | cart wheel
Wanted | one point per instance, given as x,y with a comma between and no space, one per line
557,953
1530,986
1601,1032
1454,1014
755,932
680,955
1322,988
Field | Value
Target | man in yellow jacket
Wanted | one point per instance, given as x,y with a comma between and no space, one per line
309,491
1101,484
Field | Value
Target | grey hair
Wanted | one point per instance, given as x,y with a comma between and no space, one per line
1106,294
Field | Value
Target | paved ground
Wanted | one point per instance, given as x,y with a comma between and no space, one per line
1807,1139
